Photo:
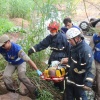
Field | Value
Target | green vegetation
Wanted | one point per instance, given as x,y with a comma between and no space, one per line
5,25
71,7
2,63
4,8
31,39
20,8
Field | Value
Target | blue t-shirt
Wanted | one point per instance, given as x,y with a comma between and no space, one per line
64,29
12,55
96,40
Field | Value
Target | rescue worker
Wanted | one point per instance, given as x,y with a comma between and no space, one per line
81,72
16,59
56,41
95,44
68,24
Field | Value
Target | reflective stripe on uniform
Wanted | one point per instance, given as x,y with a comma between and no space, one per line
69,81
33,49
79,72
97,49
89,79
52,48
68,66
77,62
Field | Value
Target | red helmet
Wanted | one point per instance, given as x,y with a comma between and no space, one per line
53,25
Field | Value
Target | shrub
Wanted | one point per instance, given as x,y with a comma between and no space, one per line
20,8
5,25
4,7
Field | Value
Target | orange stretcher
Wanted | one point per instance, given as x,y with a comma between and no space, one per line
54,74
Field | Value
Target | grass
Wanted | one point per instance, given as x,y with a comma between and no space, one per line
5,25
20,8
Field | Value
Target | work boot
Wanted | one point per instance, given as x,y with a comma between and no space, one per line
37,93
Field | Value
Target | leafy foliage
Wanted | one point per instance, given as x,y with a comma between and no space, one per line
4,8
44,95
2,63
20,8
5,25
30,39
17,29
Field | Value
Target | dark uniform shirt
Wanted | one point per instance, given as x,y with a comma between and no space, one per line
64,29
80,61
58,45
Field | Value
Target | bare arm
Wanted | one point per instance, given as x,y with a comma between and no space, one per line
31,63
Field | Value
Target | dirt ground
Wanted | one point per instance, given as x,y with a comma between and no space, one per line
20,22
91,9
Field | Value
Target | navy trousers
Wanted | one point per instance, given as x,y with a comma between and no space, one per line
73,92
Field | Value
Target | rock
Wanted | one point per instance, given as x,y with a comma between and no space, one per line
9,96
24,98
23,88
6,95
13,96
3,89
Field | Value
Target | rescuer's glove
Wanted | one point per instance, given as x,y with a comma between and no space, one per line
30,51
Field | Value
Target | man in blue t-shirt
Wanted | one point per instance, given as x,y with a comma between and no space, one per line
16,59
68,24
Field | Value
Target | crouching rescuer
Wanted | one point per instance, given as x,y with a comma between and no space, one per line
16,59
81,72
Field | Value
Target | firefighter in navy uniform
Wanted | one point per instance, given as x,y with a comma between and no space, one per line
81,72
56,40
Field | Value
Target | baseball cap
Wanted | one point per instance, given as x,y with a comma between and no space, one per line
3,39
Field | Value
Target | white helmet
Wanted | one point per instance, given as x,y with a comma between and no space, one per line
72,32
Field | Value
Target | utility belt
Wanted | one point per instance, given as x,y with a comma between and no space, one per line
57,49
62,51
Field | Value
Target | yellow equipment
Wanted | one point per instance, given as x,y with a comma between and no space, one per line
54,73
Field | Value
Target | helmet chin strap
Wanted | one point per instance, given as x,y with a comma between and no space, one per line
76,42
